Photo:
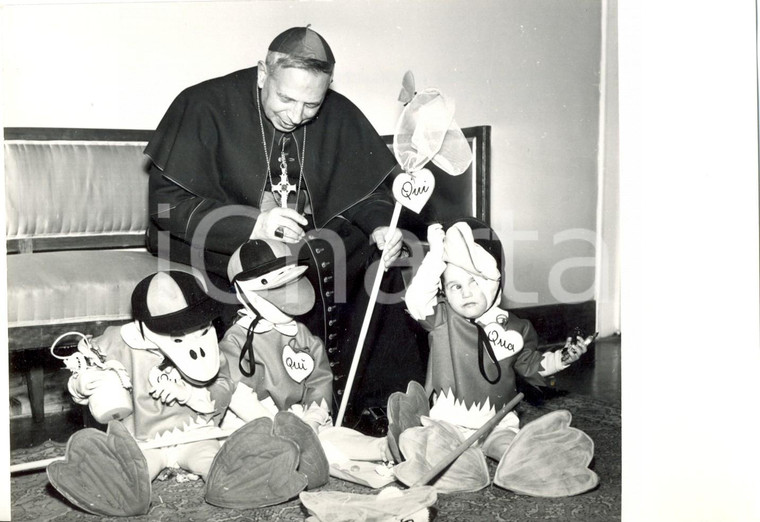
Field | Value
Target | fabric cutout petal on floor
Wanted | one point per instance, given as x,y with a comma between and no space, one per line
404,411
548,458
103,473
425,445
255,469
312,461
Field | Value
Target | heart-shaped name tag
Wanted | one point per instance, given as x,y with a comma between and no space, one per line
505,343
299,365
414,190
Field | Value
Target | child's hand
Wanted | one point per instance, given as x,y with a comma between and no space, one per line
246,404
168,391
575,348
385,451
435,237
89,380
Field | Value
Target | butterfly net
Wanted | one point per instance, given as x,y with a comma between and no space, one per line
426,131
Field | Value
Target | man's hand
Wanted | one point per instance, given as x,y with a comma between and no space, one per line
435,237
392,245
282,224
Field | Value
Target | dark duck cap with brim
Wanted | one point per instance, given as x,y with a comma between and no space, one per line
269,269
173,302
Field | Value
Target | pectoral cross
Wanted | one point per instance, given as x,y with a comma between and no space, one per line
284,187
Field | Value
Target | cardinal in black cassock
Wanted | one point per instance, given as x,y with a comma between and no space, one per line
215,157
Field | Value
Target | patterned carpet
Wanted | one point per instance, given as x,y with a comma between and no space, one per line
33,498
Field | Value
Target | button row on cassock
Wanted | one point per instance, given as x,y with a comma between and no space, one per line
330,312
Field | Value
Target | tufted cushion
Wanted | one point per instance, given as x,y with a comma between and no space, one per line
75,188
75,286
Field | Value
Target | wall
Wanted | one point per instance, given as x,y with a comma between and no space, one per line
608,206
529,68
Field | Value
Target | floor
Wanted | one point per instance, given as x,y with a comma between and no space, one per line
597,375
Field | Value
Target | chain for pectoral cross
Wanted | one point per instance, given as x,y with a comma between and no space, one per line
284,187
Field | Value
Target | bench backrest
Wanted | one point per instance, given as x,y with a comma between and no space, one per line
75,189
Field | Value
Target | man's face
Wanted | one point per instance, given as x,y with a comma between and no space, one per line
291,97
463,292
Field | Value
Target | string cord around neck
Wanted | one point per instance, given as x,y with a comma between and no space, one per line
484,346
247,348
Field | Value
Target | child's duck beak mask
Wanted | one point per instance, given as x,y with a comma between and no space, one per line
175,314
270,280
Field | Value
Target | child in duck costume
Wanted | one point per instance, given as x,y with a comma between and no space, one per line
477,349
278,365
180,388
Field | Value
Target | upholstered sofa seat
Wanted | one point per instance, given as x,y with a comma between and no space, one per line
65,288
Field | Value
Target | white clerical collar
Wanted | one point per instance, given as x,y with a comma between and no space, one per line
290,329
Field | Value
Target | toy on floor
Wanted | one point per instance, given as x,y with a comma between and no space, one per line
280,366
477,352
179,387
390,504
112,398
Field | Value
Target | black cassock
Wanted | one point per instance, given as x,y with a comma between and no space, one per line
209,171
